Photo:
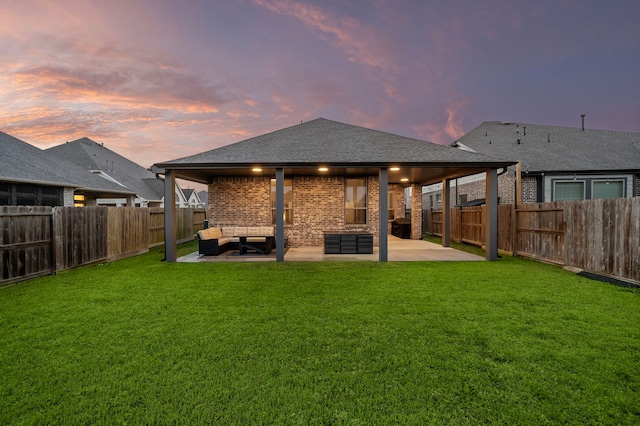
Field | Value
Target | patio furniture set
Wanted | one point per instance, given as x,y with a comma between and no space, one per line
245,239
261,240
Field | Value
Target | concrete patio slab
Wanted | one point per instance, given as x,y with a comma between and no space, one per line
399,251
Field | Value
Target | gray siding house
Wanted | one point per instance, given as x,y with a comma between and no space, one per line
555,163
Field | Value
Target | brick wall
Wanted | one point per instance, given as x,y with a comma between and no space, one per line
242,201
529,189
416,211
318,205
67,196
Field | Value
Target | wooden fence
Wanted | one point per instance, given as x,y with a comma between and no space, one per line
37,241
599,236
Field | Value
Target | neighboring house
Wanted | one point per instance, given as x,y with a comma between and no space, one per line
193,198
556,163
332,177
100,161
204,197
30,176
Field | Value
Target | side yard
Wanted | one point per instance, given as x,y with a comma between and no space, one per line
143,341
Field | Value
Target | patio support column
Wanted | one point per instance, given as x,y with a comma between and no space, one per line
384,215
491,227
446,213
170,216
280,215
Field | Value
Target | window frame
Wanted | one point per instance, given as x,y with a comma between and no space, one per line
608,181
577,181
391,206
354,208
288,211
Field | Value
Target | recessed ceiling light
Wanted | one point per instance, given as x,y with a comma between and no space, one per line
323,169
257,169
394,169
404,180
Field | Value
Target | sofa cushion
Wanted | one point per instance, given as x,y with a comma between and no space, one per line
240,231
267,231
209,234
228,231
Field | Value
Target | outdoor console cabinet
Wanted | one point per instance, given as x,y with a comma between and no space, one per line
345,242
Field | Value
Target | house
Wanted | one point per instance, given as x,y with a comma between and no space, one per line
322,176
555,163
30,176
192,198
204,197
146,188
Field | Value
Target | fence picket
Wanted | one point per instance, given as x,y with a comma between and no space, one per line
599,236
38,241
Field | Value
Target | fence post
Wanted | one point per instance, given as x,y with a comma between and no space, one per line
54,233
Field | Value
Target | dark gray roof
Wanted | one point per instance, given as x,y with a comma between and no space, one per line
323,141
92,156
22,162
553,148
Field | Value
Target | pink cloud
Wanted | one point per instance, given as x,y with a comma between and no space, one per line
358,40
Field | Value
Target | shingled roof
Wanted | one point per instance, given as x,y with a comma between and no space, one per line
331,142
92,156
334,144
23,162
552,148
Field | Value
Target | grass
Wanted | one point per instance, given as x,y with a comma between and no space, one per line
141,341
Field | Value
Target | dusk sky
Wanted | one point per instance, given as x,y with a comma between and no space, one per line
156,80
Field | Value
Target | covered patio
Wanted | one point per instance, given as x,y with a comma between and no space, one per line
399,250
320,159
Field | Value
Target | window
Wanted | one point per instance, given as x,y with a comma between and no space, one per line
288,201
607,189
392,205
78,200
568,190
464,198
5,194
355,201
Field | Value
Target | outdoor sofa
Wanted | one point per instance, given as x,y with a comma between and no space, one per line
216,240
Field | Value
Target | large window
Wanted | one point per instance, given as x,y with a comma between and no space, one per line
288,201
607,189
568,190
355,201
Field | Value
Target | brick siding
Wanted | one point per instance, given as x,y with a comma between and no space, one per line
529,190
318,205
416,212
241,201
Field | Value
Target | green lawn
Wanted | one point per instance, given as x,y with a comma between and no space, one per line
140,341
